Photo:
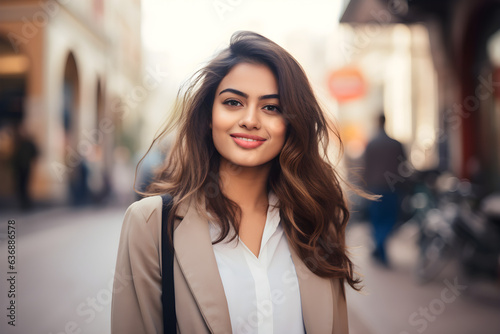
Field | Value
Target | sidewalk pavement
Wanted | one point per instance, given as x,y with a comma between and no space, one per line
65,265
393,303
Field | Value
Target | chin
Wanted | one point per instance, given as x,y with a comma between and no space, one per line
250,164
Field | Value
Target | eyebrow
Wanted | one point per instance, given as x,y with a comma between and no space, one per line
237,92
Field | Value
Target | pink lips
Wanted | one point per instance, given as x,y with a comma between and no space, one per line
247,141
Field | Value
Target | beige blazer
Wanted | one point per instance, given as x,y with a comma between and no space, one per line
200,301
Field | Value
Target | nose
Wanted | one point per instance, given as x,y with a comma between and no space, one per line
250,119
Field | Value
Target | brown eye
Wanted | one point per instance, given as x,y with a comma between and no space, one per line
273,108
232,103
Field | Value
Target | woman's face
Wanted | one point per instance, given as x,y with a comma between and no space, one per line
248,128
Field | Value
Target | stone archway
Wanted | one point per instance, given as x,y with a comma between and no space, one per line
75,161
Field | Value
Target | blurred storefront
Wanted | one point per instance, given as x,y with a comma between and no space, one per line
396,77
434,68
65,68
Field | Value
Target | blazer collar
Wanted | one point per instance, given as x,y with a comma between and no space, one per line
194,253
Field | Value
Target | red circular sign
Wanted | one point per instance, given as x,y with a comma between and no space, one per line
346,84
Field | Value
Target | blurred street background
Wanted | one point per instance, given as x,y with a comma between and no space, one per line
85,85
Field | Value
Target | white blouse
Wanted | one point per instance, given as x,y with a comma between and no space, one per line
262,292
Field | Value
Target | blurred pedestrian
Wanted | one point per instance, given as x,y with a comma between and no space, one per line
382,158
25,152
258,215
79,183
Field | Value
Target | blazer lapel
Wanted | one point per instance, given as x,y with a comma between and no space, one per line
194,253
316,298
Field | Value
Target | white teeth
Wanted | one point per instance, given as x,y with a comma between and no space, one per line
246,139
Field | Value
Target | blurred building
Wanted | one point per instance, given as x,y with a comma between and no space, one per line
387,68
71,77
454,116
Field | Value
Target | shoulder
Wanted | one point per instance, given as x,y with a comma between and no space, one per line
142,221
144,208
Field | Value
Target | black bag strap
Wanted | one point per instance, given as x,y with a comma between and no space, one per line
168,294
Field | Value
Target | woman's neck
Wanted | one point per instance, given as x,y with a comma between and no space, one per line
247,186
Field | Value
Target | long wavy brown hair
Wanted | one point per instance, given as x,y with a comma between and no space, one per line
312,205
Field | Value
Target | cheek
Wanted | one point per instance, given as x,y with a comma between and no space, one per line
278,129
218,121
221,123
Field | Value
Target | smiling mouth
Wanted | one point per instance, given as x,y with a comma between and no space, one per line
247,141
247,136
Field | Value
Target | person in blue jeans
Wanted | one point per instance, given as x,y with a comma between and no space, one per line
383,157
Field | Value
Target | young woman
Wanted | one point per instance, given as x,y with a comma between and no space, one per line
259,215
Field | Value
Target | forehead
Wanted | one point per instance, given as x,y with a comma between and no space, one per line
251,79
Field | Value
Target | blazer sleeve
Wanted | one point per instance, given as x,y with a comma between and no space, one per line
136,304
340,321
